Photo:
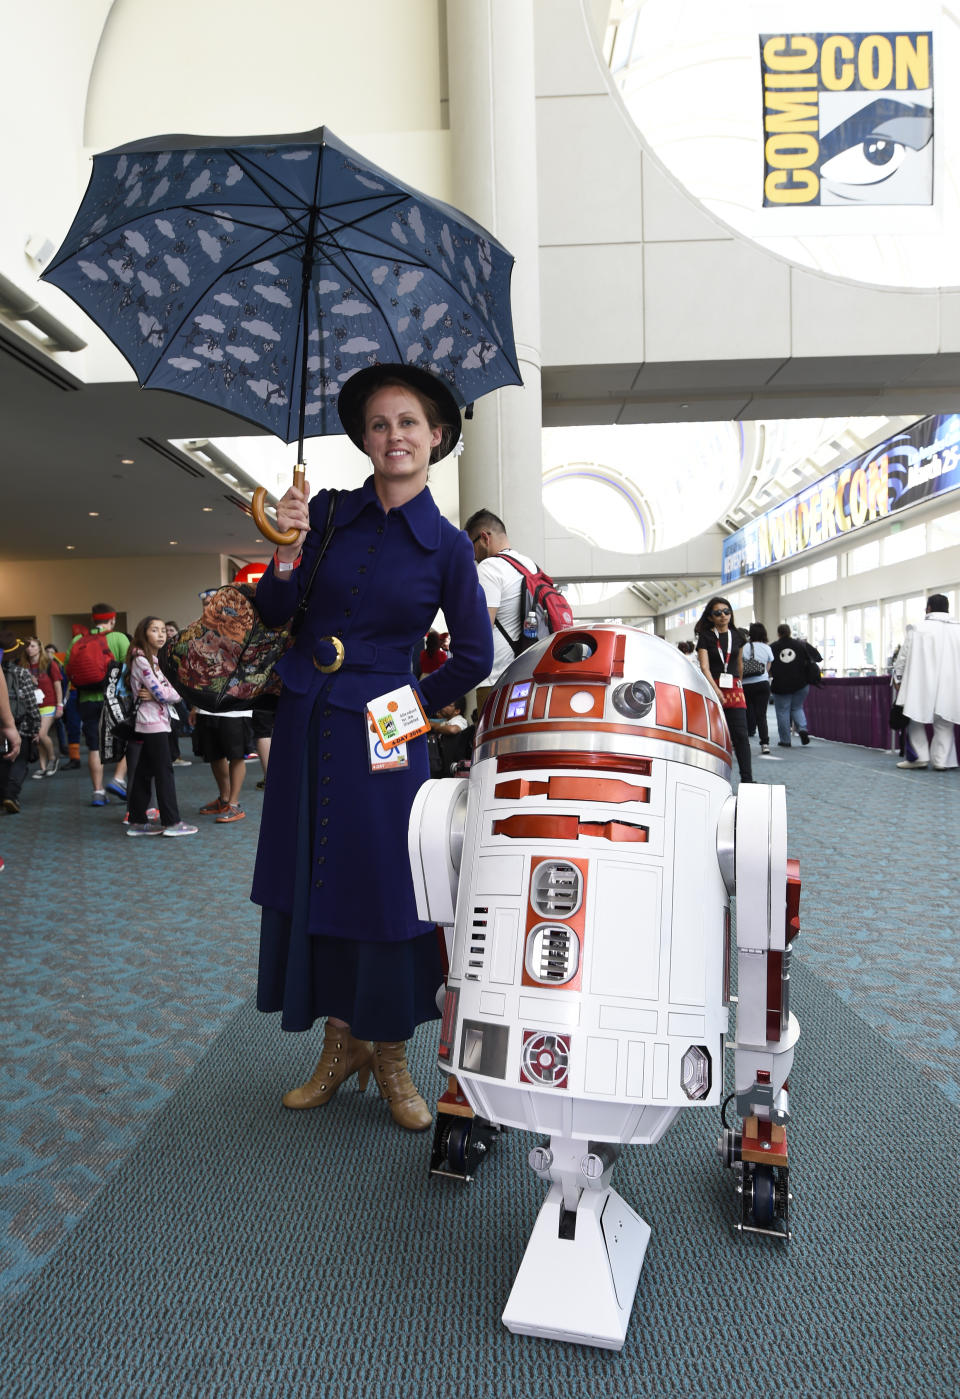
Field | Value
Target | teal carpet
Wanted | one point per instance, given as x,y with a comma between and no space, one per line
171,1231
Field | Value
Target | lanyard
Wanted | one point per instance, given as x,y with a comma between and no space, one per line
725,655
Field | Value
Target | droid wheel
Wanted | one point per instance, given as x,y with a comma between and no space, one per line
457,1145
764,1197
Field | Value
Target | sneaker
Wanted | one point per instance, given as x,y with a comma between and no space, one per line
261,784
249,757
215,807
12,805
907,763
99,799
804,737
52,768
146,830
765,748
182,763
180,829
153,813
39,775
781,744
73,764
232,813
118,787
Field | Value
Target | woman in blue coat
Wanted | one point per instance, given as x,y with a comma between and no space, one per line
339,932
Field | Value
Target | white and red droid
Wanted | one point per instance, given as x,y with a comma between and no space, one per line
587,865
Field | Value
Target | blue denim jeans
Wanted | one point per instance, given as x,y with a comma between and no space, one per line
789,710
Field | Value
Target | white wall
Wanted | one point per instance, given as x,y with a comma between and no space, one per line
60,589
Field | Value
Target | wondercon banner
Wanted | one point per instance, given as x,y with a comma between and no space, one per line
919,463
847,119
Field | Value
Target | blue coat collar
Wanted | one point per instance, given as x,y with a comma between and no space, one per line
420,514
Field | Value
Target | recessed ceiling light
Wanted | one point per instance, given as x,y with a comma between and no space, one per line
71,546
207,509
174,541
126,461
93,514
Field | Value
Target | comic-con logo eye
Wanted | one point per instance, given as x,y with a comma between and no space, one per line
787,655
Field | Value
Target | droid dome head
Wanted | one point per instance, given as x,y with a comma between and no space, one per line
609,689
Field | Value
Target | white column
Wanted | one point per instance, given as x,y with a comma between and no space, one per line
490,52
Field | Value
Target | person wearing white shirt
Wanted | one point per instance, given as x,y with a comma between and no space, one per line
502,587
927,674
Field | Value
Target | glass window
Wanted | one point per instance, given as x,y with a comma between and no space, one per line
797,580
944,533
905,544
799,624
824,571
863,559
825,636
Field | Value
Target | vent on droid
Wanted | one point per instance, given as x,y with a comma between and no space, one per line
478,944
553,954
556,889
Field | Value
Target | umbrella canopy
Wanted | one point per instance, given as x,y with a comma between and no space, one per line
260,273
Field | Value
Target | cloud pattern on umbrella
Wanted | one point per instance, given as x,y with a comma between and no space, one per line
191,256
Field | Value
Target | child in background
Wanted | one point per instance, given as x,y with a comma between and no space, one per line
155,698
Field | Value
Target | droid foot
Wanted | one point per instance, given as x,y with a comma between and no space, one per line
580,1272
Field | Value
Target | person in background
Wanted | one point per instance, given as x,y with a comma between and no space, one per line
756,683
21,704
450,718
53,655
789,681
90,703
179,714
927,674
155,698
223,741
502,587
262,722
48,683
719,650
9,734
433,654
339,935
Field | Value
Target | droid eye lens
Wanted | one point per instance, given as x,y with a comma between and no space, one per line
634,700
571,650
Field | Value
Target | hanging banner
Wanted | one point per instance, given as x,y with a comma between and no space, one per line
917,464
847,119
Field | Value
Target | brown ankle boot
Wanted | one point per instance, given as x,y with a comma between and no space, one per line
393,1079
342,1056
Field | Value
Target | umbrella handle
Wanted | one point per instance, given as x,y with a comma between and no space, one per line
262,520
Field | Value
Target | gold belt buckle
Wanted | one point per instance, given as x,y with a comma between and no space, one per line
337,645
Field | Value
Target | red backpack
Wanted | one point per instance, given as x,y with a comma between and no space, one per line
543,608
89,661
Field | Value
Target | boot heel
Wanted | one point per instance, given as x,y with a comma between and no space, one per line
363,1078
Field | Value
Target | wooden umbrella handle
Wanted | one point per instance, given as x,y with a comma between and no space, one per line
263,521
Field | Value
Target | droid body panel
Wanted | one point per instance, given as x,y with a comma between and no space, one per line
586,866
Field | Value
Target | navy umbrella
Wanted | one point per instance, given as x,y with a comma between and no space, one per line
260,273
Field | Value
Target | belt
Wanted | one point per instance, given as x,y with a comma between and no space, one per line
331,654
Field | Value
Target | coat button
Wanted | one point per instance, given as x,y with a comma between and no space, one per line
319,884
325,820
354,591
362,568
372,549
322,860
327,713
324,780
323,841
327,757
324,801
379,529
326,733
347,611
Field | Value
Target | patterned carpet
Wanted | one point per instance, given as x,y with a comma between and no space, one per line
168,1230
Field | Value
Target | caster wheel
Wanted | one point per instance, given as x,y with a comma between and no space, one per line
764,1197
457,1146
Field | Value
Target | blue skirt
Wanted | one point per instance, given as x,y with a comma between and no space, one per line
382,990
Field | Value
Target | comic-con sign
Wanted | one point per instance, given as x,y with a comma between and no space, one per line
847,119
921,462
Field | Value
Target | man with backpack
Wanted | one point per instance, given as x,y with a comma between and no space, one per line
89,661
521,599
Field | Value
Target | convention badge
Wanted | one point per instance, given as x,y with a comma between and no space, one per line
726,681
398,716
385,759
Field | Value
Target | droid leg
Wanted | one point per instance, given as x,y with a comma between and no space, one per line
580,1272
